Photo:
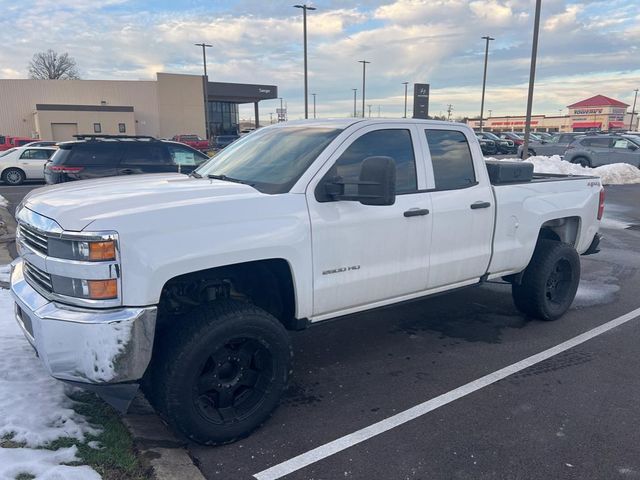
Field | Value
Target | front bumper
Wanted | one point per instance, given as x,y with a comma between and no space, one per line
83,345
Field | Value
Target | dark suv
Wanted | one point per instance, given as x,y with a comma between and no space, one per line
104,156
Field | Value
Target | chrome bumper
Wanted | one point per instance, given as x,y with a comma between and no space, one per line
88,346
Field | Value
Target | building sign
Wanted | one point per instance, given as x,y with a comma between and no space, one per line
420,100
587,111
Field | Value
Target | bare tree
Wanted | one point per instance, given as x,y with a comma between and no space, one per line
50,65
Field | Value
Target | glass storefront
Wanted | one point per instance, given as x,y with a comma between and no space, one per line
224,118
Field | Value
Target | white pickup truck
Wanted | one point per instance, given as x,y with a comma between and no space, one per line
188,284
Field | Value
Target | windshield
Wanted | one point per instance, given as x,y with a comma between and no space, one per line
7,152
271,160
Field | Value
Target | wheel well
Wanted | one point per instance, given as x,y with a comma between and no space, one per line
561,230
267,284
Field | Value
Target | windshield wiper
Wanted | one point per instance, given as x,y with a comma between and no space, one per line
229,179
195,174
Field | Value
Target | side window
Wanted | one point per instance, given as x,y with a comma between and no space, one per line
451,159
94,153
139,153
181,155
27,155
599,142
621,143
394,143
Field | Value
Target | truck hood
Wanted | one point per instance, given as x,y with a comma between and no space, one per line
76,205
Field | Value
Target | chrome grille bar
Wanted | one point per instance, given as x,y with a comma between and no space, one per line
34,238
37,276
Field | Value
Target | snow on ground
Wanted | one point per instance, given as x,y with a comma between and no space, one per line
3,202
34,410
614,174
5,273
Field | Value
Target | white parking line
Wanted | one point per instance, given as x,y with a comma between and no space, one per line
342,443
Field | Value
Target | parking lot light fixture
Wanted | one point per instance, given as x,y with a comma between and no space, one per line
532,77
314,105
484,76
304,8
364,75
405,98
204,86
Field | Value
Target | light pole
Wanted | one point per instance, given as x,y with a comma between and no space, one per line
355,91
369,110
484,77
204,86
364,74
532,77
314,105
633,109
490,113
304,8
271,118
405,98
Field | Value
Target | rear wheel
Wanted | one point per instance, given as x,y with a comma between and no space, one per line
220,374
583,161
550,281
13,176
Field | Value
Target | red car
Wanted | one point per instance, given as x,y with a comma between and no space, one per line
194,141
7,142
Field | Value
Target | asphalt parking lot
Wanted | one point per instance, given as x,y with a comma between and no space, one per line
574,415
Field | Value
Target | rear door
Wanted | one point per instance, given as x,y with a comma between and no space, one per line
94,159
463,209
32,162
625,151
145,157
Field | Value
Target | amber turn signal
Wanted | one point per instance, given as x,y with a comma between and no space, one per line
103,289
99,251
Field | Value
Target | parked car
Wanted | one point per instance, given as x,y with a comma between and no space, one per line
487,146
105,156
24,163
555,146
544,136
194,281
502,145
194,141
222,141
514,137
7,142
597,150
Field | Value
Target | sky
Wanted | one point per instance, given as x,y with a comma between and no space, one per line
586,48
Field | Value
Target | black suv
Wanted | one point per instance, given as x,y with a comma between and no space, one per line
93,156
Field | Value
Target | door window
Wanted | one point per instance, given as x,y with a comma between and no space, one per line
139,153
33,154
598,142
394,143
181,155
451,159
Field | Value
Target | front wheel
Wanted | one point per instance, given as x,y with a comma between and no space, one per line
14,176
582,161
220,373
550,281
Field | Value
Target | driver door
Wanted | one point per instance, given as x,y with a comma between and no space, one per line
370,254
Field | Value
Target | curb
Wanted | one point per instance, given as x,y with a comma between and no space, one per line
165,453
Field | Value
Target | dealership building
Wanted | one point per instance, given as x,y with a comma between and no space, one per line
596,113
172,104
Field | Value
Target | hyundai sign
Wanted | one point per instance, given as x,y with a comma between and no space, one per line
420,100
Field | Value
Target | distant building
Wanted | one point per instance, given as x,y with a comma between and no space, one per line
171,105
596,113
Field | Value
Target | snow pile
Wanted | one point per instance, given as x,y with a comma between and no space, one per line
3,202
34,410
614,174
5,273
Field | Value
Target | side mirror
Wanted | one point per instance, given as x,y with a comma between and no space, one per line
377,181
375,186
632,147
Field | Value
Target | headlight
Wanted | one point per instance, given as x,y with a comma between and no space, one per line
91,251
87,289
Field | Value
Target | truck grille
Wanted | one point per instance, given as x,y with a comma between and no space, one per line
38,278
34,238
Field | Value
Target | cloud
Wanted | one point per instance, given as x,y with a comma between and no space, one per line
588,46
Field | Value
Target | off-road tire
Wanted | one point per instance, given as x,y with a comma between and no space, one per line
193,344
13,176
535,296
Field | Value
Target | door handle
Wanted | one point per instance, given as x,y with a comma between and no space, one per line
480,204
126,171
416,212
